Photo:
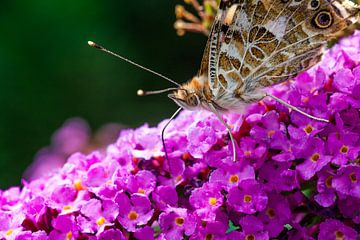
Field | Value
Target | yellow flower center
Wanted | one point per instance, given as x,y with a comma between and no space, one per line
132,215
212,201
315,157
308,129
270,212
66,207
140,190
209,236
69,235
78,186
305,99
100,221
179,221
234,179
339,235
344,149
328,182
270,133
247,198
178,178
247,153
250,237
352,177
313,89
9,232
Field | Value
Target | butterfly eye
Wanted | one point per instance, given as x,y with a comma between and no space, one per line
314,4
193,100
323,19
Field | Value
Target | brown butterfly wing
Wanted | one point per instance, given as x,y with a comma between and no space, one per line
258,43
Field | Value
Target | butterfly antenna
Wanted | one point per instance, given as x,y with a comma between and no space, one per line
141,92
97,46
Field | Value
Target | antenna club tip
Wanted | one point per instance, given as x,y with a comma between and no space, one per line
94,45
91,43
140,92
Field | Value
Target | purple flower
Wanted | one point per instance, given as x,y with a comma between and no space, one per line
252,151
349,207
298,232
142,182
232,177
177,221
206,200
268,129
343,147
326,196
10,222
276,214
347,180
315,158
26,235
133,211
165,196
149,144
65,227
344,80
63,194
96,214
278,176
111,234
210,230
304,127
253,228
201,136
145,233
10,196
248,197
96,175
334,229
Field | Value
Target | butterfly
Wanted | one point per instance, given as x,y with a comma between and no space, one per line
254,44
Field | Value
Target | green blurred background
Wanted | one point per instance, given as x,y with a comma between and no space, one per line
48,73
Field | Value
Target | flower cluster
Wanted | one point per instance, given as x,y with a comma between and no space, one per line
294,178
73,136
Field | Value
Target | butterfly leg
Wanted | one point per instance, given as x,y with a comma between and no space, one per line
163,133
233,143
295,108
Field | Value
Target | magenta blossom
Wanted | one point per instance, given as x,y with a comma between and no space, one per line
248,197
333,230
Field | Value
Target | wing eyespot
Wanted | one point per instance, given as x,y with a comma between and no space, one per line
323,19
314,4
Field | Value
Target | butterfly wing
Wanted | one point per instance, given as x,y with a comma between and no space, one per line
259,43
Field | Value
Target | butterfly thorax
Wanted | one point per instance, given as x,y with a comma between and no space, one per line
197,94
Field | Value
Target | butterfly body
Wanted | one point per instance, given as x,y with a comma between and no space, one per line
254,44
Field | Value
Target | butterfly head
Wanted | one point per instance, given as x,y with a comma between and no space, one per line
185,98
190,95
